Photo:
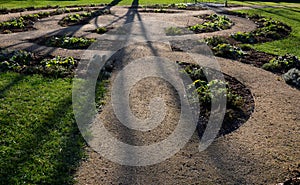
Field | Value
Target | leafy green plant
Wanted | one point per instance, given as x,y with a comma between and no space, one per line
101,30
181,6
292,77
282,63
69,42
246,37
213,89
16,60
13,24
58,66
26,62
228,51
213,23
215,40
81,18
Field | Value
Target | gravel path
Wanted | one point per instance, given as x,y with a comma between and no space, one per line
260,152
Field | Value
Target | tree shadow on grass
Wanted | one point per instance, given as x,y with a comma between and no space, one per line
48,151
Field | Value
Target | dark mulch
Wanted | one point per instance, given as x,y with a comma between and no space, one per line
234,117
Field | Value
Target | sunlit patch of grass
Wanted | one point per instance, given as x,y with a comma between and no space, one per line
40,141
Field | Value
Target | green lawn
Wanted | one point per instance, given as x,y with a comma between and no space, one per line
40,142
40,3
290,16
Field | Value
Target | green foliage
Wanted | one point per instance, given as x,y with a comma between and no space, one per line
181,6
13,24
81,18
26,21
69,42
292,77
75,18
213,89
272,29
215,40
26,62
282,63
268,29
228,51
58,66
101,30
16,60
214,23
246,37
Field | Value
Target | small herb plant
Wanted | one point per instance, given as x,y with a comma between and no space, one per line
282,63
292,77
246,37
215,40
101,30
213,23
58,66
69,42
228,51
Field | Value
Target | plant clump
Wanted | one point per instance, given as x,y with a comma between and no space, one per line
101,30
282,64
212,89
28,63
69,42
238,99
212,23
215,40
292,77
228,51
82,18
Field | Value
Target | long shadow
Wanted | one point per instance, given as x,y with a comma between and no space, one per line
12,83
72,30
278,12
65,158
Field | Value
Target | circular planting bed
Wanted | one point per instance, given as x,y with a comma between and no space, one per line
239,101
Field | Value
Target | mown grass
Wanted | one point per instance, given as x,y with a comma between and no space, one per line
41,3
290,16
38,3
40,142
